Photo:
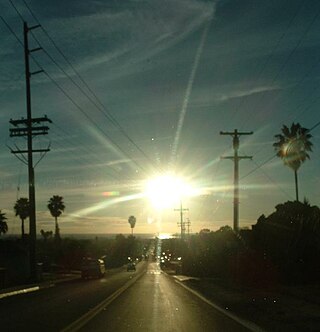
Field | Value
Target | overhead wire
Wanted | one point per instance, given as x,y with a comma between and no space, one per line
20,42
270,179
273,156
272,52
11,30
112,119
104,109
22,158
70,98
90,119
287,60
87,154
315,17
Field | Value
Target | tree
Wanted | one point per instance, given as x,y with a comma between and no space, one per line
292,146
56,207
132,221
3,223
46,235
22,209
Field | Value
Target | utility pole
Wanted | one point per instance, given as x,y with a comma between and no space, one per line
188,224
236,158
181,223
30,127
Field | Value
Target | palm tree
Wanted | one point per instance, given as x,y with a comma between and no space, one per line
22,209
56,207
292,146
132,221
3,223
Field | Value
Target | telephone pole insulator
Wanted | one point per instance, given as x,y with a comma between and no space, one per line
236,158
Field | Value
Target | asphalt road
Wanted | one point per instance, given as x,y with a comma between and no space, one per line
52,309
156,302
145,300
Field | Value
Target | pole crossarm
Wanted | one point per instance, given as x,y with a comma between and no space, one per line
33,27
34,151
36,72
18,132
24,121
239,157
35,49
236,132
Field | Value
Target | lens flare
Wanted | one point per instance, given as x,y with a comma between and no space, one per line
166,191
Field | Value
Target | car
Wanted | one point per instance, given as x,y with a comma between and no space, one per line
92,268
131,266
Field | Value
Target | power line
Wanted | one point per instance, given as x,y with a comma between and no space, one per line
273,156
89,119
73,101
20,42
271,53
104,110
298,44
10,29
300,82
87,154
258,166
274,182
315,126
17,11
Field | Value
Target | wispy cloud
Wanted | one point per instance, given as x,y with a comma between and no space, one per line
129,35
245,92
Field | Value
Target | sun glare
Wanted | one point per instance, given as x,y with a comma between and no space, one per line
166,191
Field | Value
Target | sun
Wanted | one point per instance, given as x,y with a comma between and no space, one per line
166,191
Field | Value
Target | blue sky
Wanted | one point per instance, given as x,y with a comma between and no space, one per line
173,74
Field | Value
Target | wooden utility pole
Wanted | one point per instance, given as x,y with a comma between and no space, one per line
188,224
30,127
181,223
236,158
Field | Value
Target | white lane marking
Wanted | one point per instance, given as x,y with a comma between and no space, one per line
184,278
154,272
249,325
20,291
84,319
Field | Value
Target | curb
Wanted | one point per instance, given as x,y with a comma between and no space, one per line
23,289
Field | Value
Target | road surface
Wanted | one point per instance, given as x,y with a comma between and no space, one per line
156,302
145,300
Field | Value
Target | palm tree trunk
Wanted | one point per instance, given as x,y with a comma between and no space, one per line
22,229
57,227
296,182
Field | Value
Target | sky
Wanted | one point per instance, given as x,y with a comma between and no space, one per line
140,88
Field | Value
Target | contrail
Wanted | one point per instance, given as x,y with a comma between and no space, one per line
188,92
